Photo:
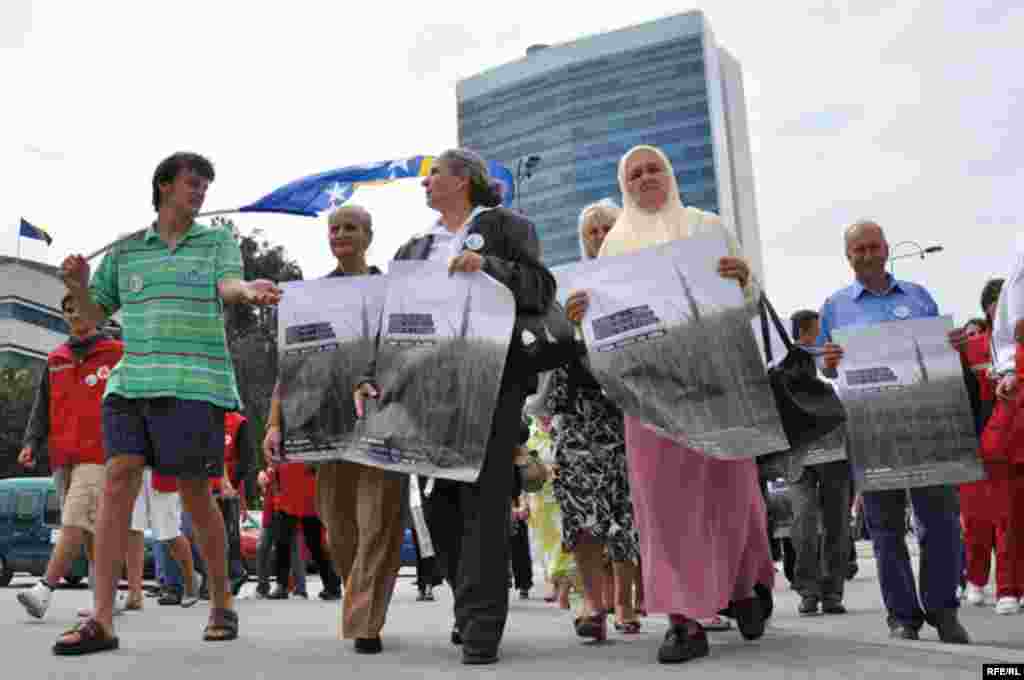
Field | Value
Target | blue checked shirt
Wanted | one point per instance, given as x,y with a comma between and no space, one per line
855,305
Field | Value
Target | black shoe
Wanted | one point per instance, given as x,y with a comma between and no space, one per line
302,595
900,631
368,645
808,606
767,599
278,593
479,657
262,590
951,631
524,594
456,635
170,596
682,645
833,607
749,617
330,595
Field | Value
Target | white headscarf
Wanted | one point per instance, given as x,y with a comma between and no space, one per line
637,229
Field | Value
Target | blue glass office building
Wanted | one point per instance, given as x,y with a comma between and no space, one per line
581,105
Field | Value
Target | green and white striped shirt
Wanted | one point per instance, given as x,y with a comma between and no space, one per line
173,318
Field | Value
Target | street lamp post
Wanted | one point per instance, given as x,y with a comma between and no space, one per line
921,252
524,171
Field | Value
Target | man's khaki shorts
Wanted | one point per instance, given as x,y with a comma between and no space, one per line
82,500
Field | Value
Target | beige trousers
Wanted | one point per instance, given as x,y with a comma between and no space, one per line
362,509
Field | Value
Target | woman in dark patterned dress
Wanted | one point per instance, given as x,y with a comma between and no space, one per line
592,486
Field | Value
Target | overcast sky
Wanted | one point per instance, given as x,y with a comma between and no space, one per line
901,114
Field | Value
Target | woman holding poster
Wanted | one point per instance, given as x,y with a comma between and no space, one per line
702,523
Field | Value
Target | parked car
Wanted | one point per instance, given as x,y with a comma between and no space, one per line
29,518
29,526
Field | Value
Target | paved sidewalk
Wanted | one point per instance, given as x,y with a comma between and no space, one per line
297,639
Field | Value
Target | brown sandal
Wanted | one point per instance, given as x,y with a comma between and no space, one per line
222,626
91,638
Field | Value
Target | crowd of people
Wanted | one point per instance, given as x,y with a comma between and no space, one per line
639,523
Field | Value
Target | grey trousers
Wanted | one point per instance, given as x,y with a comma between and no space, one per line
821,498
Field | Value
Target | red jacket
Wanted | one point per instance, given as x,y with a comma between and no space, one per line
76,402
979,359
298,490
232,422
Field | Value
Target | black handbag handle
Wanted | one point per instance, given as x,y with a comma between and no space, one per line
767,310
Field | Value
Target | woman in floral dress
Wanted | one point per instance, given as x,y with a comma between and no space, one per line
592,484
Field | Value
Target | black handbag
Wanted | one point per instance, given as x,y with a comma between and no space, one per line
546,341
808,406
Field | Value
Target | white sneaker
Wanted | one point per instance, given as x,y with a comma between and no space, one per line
36,599
975,595
1007,605
191,595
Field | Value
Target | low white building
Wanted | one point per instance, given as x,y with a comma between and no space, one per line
31,325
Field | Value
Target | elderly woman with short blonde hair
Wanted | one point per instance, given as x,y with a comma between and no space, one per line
592,486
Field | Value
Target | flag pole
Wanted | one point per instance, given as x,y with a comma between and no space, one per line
132,235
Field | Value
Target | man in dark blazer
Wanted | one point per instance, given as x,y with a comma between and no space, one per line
470,522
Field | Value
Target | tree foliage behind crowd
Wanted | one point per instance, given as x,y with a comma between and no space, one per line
252,331
17,392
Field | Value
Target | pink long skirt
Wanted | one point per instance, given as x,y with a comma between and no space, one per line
702,524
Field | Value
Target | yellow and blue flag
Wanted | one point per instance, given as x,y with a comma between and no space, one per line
325,191
29,230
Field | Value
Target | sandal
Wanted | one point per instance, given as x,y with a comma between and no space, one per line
628,627
91,638
222,626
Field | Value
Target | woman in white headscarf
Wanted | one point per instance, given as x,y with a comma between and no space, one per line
702,524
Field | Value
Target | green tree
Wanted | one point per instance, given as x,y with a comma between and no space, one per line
17,392
252,331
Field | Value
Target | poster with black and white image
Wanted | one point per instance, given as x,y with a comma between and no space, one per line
671,343
327,331
909,420
439,364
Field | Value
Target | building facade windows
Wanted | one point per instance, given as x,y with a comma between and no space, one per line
601,96
44,319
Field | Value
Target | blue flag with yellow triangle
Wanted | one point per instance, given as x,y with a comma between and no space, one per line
29,230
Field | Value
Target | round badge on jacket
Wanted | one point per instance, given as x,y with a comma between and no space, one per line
901,312
103,372
91,380
475,242
135,283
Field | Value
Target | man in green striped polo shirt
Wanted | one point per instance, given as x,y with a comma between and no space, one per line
165,401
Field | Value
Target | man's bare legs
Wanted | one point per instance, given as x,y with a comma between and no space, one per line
135,562
124,477
69,544
181,552
210,536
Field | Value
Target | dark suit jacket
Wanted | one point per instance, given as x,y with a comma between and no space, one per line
511,253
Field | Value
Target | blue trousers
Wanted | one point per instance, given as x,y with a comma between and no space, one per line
936,509
168,573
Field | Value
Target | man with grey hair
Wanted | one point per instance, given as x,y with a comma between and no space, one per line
360,505
876,297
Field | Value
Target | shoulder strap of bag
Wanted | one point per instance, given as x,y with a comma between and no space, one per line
766,311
